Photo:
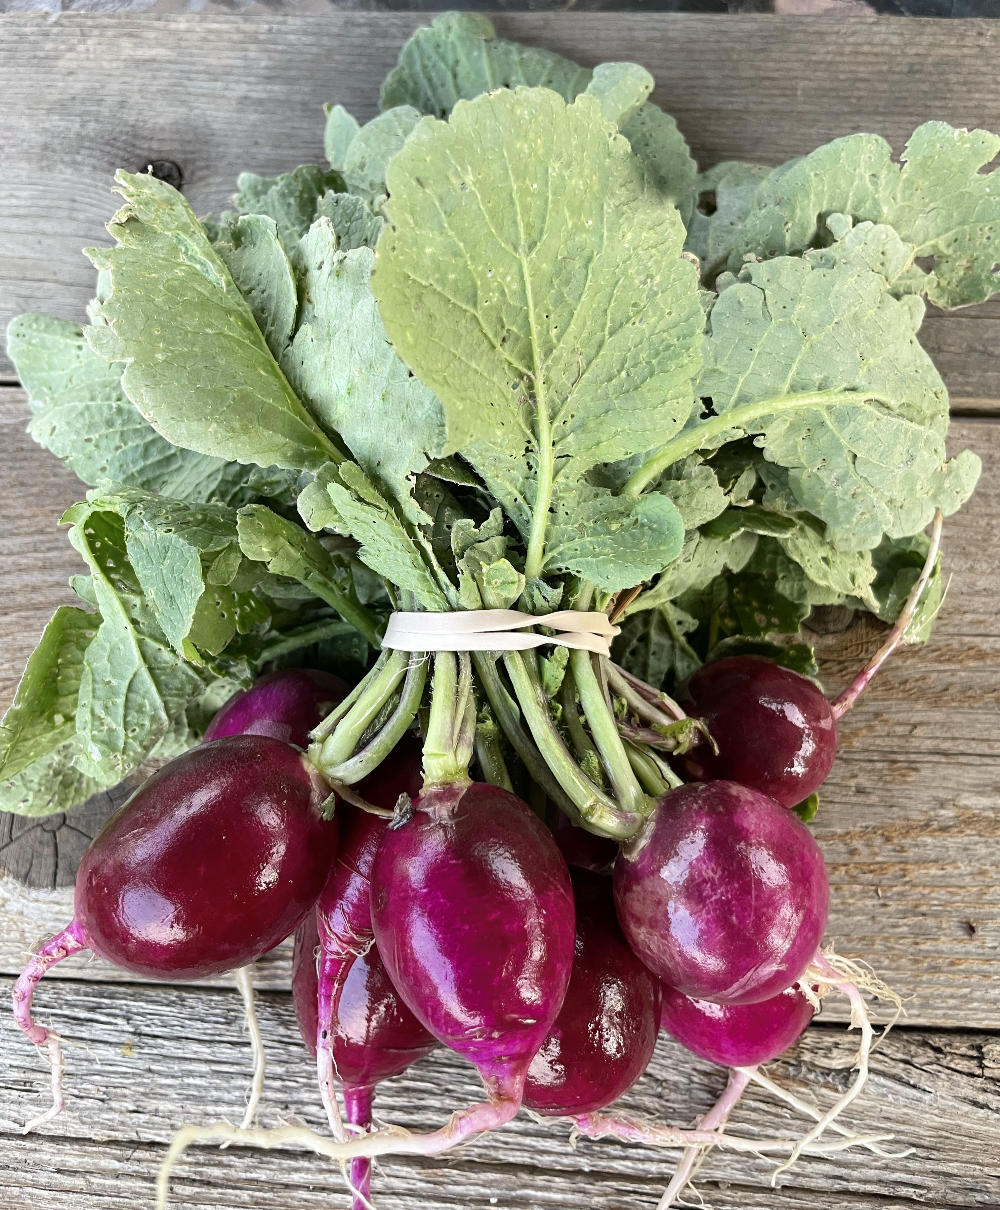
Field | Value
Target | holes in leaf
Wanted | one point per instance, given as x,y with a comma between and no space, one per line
990,166
926,263
707,203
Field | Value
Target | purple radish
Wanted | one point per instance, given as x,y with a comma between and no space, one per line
605,1033
212,862
283,705
350,984
370,1034
723,894
736,1035
583,849
775,730
473,912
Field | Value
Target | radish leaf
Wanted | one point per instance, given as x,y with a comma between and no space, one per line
355,383
197,366
541,292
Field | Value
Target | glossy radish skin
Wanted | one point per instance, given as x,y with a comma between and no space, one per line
775,730
473,913
736,1035
283,705
583,849
214,860
723,894
352,1017
374,1034
605,1033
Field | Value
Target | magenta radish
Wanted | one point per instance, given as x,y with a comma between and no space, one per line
774,729
473,913
605,1033
215,859
723,894
370,1034
283,705
361,1031
736,1035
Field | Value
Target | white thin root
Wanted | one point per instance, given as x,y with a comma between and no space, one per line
810,1111
715,1119
394,1140
244,982
830,972
57,1068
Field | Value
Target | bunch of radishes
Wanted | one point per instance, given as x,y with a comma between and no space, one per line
431,908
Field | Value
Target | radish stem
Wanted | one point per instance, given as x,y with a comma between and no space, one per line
844,701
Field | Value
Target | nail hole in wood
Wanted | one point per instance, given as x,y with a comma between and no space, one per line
166,170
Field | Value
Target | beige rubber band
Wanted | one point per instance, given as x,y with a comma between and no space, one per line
498,630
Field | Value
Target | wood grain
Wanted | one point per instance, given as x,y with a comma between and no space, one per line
908,824
219,94
157,1057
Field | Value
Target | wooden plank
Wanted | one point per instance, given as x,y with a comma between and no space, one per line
222,93
157,1057
908,823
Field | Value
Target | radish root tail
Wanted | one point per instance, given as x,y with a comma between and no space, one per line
715,1119
387,1140
831,972
244,981
69,941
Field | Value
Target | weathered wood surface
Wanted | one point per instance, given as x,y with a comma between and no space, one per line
221,94
909,821
158,1057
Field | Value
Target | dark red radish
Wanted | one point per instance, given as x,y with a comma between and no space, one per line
283,705
583,849
370,1033
723,893
361,1031
605,1033
473,912
775,730
212,862
736,1035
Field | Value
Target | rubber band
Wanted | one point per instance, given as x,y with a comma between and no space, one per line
498,630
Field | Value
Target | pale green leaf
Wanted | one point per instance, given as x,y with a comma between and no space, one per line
663,152
132,685
541,292
459,56
355,222
341,363
848,572
373,147
867,463
621,88
940,201
38,733
197,366
356,508
898,564
341,128
700,561
290,200
259,267
695,491
724,195
83,416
